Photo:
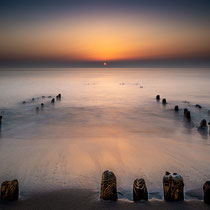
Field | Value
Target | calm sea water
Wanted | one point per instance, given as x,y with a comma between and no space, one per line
107,119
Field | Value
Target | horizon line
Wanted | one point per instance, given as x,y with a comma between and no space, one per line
146,63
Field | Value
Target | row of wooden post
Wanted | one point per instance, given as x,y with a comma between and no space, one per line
173,187
187,114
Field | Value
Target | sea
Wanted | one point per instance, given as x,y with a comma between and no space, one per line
107,119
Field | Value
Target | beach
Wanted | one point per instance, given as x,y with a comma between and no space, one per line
107,119
86,199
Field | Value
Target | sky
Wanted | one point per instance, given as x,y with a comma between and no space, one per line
89,33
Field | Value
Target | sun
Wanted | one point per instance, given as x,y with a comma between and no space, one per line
105,63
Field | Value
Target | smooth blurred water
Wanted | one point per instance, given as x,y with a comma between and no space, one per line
107,119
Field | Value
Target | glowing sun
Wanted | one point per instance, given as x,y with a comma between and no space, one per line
105,63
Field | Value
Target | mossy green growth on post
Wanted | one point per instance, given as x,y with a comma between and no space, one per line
10,190
108,186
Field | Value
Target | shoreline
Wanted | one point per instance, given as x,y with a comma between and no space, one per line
88,199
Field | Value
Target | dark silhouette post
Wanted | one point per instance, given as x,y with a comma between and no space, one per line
140,190
10,190
108,186
173,187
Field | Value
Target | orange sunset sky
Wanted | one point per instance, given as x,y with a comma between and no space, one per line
100,33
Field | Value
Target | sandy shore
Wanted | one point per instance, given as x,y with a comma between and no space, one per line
86,199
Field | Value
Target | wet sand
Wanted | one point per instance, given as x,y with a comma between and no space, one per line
87,199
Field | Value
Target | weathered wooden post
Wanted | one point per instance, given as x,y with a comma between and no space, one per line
203,124
188,115
58,97
164,101
185,112
176,108
108,186
140,190
198,106
206,192
173,187
10,190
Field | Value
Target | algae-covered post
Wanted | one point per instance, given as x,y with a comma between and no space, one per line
108,186
0,119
